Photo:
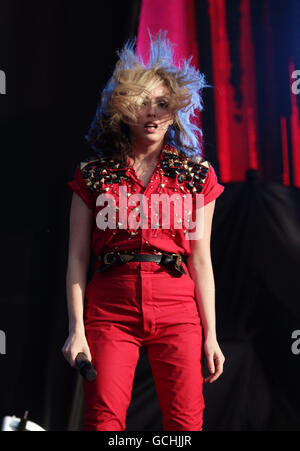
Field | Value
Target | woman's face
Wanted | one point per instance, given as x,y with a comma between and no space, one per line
153,117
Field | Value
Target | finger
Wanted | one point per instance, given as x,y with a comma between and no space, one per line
210,363
88,354
218,371
72,360
209,378
219,364
66,355
215,376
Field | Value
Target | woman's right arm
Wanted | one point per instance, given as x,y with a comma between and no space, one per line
81,221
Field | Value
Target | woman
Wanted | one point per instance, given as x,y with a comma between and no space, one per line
153,282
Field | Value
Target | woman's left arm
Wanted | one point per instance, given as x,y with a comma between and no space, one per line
200,266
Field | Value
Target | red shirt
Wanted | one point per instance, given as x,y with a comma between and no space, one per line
175,174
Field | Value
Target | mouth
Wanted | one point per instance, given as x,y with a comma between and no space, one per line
150,126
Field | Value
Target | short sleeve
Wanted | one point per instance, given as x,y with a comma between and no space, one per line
211,188
79,186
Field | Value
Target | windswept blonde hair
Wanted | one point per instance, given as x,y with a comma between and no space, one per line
128,87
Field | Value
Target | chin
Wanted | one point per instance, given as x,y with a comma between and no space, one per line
153,138
150,138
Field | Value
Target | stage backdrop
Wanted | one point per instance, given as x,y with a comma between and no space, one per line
56,57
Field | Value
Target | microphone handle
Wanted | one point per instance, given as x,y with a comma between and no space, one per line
81,358
86,368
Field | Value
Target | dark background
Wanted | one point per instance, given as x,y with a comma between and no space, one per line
57,56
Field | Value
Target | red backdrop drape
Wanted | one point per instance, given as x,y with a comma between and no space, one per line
256,114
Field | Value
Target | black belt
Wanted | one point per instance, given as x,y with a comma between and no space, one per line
116,258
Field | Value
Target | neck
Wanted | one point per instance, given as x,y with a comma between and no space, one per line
148,151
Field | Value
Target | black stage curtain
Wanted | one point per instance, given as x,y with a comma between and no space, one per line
51,98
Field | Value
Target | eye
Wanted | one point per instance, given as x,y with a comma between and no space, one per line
163,104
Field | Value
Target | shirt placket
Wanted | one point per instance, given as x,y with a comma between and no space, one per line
154,186
145,279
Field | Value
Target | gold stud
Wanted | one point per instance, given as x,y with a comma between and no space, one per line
205,164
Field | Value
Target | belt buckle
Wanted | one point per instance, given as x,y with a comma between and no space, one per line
178,264
105,257
125,258
178,260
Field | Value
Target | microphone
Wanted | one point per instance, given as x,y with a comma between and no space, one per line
86,368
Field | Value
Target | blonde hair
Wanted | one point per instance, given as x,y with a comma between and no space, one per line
131,82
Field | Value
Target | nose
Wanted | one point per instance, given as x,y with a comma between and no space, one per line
151,109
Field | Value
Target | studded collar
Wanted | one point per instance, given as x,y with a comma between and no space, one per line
172,162
166,152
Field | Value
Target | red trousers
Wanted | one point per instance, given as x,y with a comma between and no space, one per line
143,304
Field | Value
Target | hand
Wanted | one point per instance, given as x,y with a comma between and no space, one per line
75,343
215,359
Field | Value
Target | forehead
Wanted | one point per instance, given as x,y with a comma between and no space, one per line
160,90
